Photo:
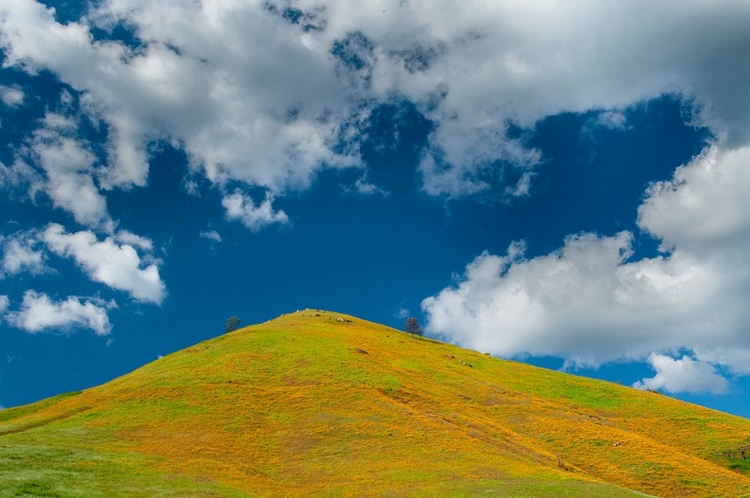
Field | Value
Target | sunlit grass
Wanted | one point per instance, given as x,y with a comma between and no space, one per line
309,405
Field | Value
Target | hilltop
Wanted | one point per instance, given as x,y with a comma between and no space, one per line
308,404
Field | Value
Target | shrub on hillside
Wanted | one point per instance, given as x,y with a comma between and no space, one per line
412,326
233,323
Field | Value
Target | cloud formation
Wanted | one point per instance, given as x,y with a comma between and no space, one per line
211,235
21,253
69,172
235,85
118,266
703,208
683,375
270,93
129,238
584,302
114,262
591,302
241,207
38,313
12,96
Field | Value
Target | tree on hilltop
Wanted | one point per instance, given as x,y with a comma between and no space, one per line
412,326
232,324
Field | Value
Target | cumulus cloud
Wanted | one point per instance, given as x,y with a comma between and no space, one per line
683,375
704,207
592,301
4,303
584,302
68,165
118,266
38,312
142,243
21,253
238,87
11,96
269,93
241,207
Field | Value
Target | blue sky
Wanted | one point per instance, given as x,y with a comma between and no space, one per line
563,184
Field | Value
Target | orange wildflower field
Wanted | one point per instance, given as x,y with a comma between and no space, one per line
308,404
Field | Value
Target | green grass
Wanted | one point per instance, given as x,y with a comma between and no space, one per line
61,468
291,407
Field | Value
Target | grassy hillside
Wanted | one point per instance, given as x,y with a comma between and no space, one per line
307,404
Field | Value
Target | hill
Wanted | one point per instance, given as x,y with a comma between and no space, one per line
307,404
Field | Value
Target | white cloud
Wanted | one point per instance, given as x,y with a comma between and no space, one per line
736,359
245,96
684,375
20,254
116,265
704,208
522,188
4,303
211,235
257,98
69,167
584,302
12,96
591,302
241,207
142,243
613,120
20,174
191,187
364,187
38,312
